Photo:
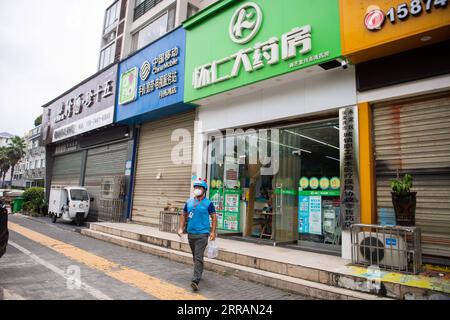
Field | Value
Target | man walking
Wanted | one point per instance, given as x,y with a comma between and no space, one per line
196,213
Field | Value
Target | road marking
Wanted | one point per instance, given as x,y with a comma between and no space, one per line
150,285
8,295
92,291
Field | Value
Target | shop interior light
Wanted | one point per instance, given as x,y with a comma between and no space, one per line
284,145
312,139
337,128
338,160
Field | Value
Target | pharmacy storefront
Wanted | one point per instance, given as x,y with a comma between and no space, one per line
276,108
400,49
151,89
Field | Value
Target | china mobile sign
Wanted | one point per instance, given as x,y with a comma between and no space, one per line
89,106
258,40
152,79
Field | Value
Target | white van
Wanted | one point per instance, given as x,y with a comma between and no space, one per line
69,204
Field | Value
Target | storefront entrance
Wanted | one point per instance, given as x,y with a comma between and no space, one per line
279,185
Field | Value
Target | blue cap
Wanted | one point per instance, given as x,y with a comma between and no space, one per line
201,183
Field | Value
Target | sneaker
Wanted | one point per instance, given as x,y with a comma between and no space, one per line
194,286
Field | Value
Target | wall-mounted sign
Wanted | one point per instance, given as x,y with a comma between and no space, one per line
375,17
151,81
335,183
91,122
350,198
88,106
375,28
68,146
324,183
238,43
314,183
304,183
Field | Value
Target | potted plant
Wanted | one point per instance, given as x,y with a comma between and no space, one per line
404,200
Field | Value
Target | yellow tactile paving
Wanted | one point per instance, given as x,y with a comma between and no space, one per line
153,286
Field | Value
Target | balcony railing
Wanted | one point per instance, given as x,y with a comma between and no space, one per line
145,6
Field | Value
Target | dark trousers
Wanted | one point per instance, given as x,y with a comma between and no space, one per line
198,243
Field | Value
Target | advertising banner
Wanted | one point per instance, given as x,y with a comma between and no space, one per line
236,43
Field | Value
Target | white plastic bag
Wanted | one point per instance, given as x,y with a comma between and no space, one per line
213,250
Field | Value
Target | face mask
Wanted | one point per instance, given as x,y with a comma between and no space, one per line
198,192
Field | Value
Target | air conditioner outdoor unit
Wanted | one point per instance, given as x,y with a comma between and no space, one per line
382,249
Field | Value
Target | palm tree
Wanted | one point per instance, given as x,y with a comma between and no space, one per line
4,164
15,152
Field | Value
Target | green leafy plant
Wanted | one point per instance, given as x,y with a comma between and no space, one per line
402,185
34,199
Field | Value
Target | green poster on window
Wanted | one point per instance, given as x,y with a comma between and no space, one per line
216,197
228,207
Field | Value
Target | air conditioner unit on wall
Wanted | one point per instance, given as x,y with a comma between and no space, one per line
112,187
382,249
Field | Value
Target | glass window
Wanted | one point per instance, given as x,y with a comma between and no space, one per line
289,179
107,56
153,31
37,164
111,17
79,195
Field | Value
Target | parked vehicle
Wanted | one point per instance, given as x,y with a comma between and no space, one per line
69,204
4,233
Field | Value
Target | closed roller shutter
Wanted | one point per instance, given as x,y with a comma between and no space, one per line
414,137
103,161
67,169
151,195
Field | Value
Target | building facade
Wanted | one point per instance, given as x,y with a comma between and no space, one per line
85,148
130,25
150,98
5,139
400,49
30,171
275,98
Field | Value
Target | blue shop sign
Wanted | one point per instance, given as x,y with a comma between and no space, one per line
151,82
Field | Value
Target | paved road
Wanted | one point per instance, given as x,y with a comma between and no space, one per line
46,261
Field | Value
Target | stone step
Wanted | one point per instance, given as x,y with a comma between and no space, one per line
284,282
338,276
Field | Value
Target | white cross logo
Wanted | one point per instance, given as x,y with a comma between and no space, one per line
243,19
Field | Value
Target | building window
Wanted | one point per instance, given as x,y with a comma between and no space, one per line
142,6
191,10
111,17
42,163
155,29
107,56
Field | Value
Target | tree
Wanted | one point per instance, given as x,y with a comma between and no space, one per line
15,151
4,164
38,121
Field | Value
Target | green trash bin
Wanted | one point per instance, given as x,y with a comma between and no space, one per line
17,204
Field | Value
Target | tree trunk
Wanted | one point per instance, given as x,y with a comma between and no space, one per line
3,181
12,175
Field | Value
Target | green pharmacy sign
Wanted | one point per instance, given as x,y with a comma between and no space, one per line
235,43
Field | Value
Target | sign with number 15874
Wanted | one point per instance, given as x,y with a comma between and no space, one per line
415,8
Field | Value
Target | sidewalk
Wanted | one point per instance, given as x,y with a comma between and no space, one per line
323,276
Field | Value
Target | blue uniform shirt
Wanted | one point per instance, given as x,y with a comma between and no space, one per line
198,213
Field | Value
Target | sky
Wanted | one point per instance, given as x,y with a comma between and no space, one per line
46,48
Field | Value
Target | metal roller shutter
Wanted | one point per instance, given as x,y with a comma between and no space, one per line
103,161
414,137
67,169
154,156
